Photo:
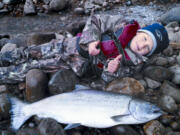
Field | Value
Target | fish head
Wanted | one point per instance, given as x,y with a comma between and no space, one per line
144,111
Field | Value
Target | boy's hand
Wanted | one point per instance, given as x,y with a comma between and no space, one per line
114,64
92,48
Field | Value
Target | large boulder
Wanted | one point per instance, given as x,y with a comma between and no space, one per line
171,15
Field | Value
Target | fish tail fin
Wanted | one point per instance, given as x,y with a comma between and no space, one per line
18,116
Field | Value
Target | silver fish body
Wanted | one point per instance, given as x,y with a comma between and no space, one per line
90,108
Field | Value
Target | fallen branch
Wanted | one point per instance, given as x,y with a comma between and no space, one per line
175,45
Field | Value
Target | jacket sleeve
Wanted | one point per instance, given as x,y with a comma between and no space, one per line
98,24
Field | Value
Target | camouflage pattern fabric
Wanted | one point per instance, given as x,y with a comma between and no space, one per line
62,53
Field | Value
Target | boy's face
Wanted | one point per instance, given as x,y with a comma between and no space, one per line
142,43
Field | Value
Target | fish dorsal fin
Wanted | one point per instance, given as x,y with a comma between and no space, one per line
118,118
73,125
81,87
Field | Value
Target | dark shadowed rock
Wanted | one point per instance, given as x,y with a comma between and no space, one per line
40,38
79,11
176,70
62,81
12,1
28,131
76,27
125,85
36,85
123,130
29,8
158,73
167,88
50,127
171,15
4,106
46,1
152,83
6,132
57,5
154,128
167,103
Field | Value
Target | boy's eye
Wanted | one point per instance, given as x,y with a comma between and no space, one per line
145,38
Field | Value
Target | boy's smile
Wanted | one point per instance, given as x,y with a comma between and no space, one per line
142,43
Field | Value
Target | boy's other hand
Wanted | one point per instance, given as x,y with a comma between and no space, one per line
92,48
114,64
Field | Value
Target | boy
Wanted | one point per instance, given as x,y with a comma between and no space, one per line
120,53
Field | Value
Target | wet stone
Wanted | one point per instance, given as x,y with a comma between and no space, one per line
167,88
29,8
175,126
62,81
1,5
36,85
28,131
158,73
176,70
167,103
152,83
8,47
154,128
168,51
40,38
166,119
6,132
171,15
79,11
123,130
125,85
171,61
4,106
57,5
3,89
161,61
98,84
50,127
173,133
144,84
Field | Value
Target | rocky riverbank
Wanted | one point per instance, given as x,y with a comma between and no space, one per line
159,82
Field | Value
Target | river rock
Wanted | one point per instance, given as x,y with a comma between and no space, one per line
62,81
1,5
166,119
167,103
125,85
79,11
152,84
168,51
8,47
11,1
176,70
36,85
171,61
171,15
154,128
50,127
178,59
46,1
143,82
175,125
167,88
6,132
123,130
29,8
4,106
173,133
57,5
158,73
161,61
28,131
4,11
98,84
40,38
3,41
3,89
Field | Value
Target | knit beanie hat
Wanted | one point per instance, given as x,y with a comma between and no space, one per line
159,36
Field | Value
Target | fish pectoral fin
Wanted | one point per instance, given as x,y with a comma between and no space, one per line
81,87
72,125
118,118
